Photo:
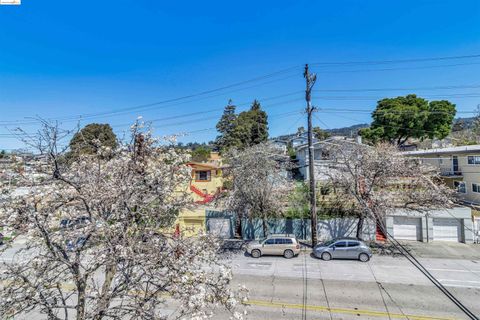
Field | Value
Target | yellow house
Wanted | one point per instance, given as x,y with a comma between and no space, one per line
206,183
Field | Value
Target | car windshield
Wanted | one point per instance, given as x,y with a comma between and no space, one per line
329,242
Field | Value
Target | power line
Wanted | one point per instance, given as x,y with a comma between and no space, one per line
170,105
219,109
402,68
444,96
339,110
460,57
400,88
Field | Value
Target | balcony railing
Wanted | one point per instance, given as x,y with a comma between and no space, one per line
450,173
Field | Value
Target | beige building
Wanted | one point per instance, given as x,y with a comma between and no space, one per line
459,167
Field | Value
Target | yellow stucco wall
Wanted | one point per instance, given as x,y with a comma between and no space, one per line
191,221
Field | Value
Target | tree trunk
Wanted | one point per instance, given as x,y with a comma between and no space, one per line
265,227
110,271
360,226
81,286
238,234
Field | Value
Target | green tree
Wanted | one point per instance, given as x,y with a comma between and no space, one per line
397,119
251,127
245,130
226,127
259,124
200,154
92,137
320,134
476,122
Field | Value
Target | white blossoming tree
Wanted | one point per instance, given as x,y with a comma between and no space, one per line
379,179
98,239
260,183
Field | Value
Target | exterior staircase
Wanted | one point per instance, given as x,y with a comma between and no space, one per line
207,198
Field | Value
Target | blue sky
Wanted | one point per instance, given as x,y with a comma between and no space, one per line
60,59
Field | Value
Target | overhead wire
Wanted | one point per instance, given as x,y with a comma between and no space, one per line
410,60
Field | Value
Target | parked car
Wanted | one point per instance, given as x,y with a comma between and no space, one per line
343,248
72,245
74,223
277,245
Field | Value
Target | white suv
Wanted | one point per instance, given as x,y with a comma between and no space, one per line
277,244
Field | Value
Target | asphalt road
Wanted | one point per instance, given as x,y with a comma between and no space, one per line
384,288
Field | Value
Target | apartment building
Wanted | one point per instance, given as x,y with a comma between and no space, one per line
459,167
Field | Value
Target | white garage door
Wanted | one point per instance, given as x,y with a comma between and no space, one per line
446,229
406,228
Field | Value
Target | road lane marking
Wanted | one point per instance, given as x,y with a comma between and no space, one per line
453,270
373,313
455,280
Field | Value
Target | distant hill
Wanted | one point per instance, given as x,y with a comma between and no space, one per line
351,131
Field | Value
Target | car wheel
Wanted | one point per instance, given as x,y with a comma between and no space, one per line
326,256
256,253
363,257
288,254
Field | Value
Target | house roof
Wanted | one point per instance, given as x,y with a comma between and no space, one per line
326,141
203,165
460,149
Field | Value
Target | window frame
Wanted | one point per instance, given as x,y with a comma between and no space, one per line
198,175
476,186
457,187
269,244
475,160
354,244
342,241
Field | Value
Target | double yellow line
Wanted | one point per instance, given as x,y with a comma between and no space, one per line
357,312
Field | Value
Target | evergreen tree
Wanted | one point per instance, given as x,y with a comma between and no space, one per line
226,127
259,124
247,129
91,138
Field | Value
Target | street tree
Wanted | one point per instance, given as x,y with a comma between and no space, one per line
378,180
395,120
260,185
98,245
91,138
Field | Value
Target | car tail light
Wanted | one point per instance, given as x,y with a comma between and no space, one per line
298,246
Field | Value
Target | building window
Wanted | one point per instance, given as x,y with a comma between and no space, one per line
460,186
473,159
202,175
476,187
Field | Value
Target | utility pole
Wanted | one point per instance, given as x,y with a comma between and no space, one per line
310,81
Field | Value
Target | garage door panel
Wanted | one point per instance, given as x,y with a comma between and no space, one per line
407,228
446,230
